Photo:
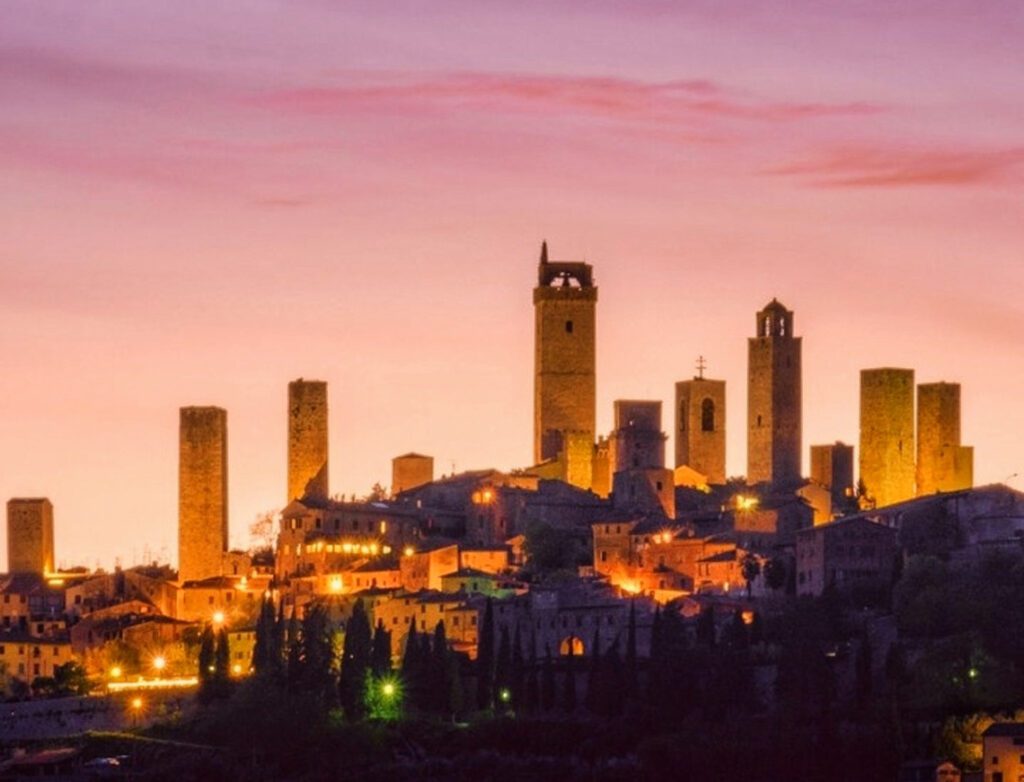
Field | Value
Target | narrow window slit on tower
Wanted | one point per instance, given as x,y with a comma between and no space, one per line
568,327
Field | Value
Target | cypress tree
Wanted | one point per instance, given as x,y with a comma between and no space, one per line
317,653
518,679
439,672
222,665
532,698
294,657
485,660
595,684
410,665
424,673
381,655
276,652
355,662
569,689
547,688
736,637
706,627
631,667
264,631
206,662
614,686
503,671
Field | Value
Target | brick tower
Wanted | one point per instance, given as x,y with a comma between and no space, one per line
887,434
774,399
30,536
832,468
307,439
202,492
700,426
943,464
409,471
564,301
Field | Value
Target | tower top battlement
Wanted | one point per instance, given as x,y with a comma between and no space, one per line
775,320
563,274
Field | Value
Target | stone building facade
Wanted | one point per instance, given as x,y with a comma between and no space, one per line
30,536
700,427
774,399
943,464
202,492
307,440
887,434
565,386
844,553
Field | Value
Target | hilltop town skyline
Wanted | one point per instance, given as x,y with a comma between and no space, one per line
142,551
198,214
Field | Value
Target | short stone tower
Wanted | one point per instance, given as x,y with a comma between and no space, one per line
565,392
943,464
887,434
409,471
202,492
30,536
637,449
700,427
307,439
774,394
832,469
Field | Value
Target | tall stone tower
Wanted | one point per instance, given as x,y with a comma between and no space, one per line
202,492
30,536
774,399
565,392
943,464
887,434
307,439
700,427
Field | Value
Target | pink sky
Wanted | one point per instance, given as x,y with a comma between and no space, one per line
200,204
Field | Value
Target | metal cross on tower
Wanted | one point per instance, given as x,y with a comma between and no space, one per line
701,366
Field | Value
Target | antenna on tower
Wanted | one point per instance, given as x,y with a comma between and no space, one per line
544,251
701,366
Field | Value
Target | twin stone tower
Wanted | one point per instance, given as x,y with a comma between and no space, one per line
565,400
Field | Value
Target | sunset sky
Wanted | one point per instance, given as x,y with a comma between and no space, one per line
202,200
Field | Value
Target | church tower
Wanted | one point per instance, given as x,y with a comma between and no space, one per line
565,391
700,426
774,399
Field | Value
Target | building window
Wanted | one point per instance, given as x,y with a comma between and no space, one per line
707,415
568,327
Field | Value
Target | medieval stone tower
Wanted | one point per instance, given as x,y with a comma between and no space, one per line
887,434
565,392
832,468
307,439
409,471
202,492
700,427
774,399
943,464
30,536
637,452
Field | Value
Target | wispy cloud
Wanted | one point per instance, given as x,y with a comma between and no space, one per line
908,167
603,97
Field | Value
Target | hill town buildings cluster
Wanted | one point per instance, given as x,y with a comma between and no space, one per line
626,524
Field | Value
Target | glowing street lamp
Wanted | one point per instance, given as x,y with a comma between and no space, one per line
159,663
218,617
505,695
409,551
388,690
136,704
116,672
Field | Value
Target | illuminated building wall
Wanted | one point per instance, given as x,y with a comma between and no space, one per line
887,434
30,536
202,492
307,440
943,464
409,471
700,427
774,395
565,390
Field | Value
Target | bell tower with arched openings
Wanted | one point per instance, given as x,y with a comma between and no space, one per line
565,386
700,425
774,399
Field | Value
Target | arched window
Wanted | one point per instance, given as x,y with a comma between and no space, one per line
571,642
707,415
